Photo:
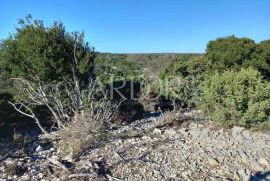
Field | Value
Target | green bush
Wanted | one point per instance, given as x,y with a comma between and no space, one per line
236,53
121,78
229,52
237,98
47,52
261,58
44,51
185,66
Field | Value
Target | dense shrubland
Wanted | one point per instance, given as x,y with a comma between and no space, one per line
237,98
235,90
236,53
56,79
230,82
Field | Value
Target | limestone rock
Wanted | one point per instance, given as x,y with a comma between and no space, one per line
244,174
213,162
157,131
237,131
263,162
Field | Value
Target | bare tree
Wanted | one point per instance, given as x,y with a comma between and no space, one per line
64,99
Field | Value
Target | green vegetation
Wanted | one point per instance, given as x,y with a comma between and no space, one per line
185,66
236,53
217,82
230,83
108,70
46,53
237,98
179,84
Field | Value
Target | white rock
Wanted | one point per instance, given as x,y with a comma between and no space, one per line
40,175
263,161
237,131
247,135
213,162
9,161
145,138
55,157
157,131
170,133
244,174
39,148
193,125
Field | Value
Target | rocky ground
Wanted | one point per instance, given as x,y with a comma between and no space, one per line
191,151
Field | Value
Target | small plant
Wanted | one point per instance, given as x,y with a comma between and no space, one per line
79,135
237,98
87,128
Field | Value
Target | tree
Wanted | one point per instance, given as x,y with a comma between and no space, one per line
229,52
46,52
261,58
236,53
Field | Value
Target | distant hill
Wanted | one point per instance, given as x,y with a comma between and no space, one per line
153,62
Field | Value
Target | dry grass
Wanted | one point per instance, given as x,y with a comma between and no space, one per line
82,133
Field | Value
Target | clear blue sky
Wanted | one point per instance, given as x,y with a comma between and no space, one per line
146,25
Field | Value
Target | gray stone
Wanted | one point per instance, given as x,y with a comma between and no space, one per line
237,131
40,175
157,131
170,133
246,134
212,162
244,174
263,162
39,148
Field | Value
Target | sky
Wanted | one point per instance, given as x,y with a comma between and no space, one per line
146,26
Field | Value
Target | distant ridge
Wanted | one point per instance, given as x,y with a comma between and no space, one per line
150,53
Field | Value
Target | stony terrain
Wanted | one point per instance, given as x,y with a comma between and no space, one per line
193,151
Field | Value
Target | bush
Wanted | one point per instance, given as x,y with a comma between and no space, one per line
237,98
83,132
121,78
236,53
44,51
229,52
47,52
185,66
261,58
